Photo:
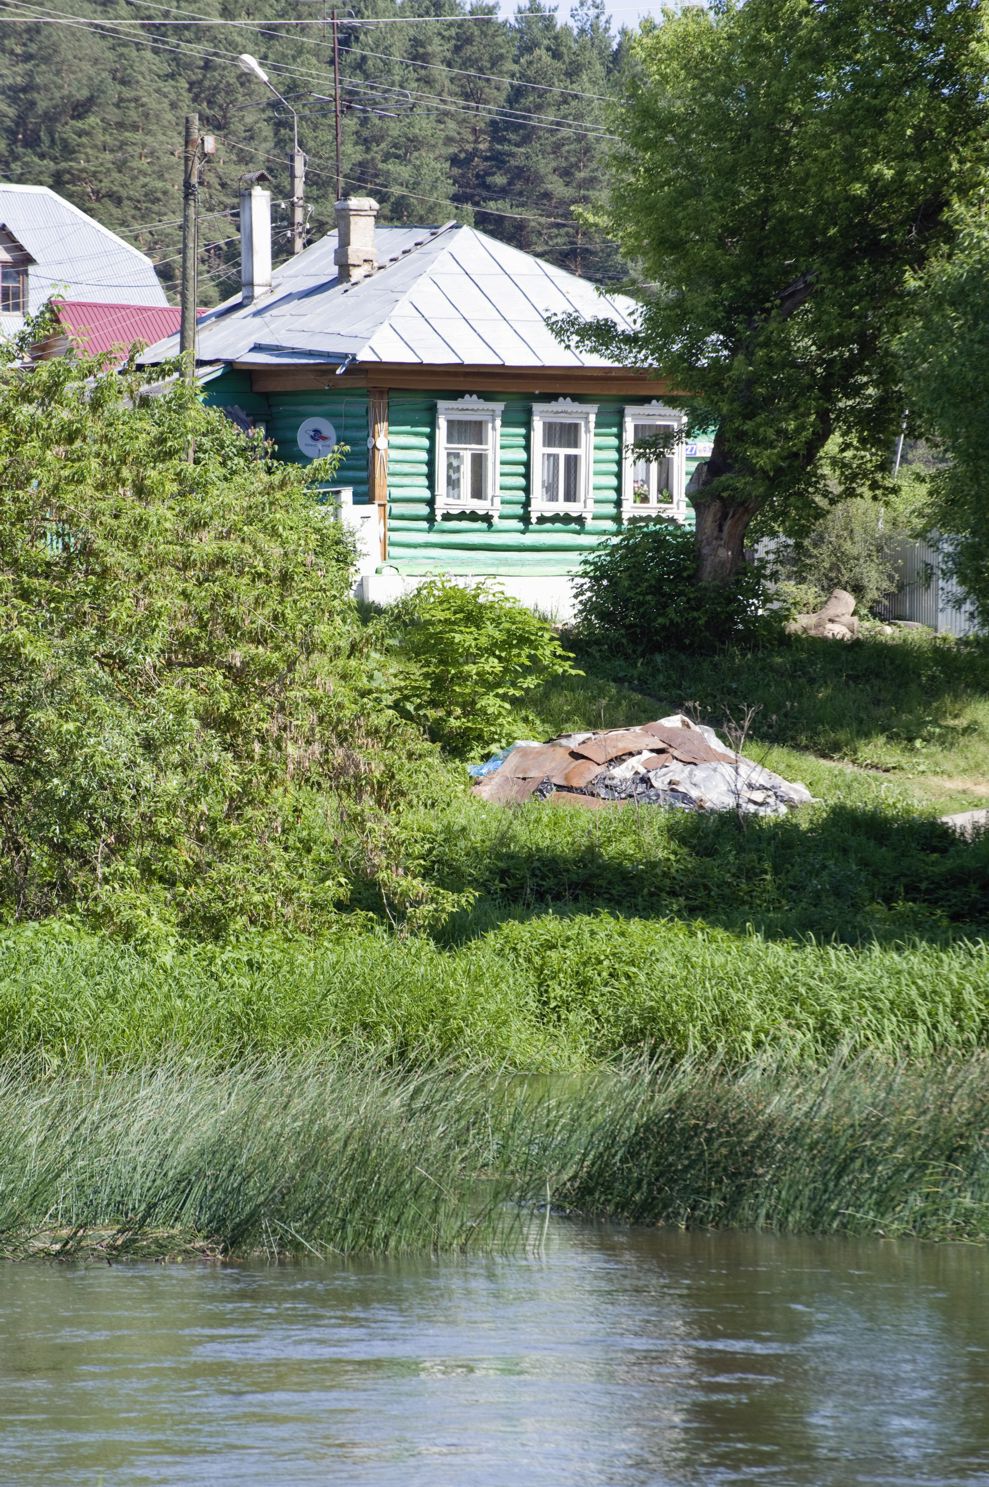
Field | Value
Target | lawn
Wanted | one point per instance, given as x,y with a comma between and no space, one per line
901,719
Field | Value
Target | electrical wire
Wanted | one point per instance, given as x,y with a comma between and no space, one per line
431,102
348,21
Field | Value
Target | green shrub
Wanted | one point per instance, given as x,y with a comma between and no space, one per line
638,595
847,548
468,656
185,703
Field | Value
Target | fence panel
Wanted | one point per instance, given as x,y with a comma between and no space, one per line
926,594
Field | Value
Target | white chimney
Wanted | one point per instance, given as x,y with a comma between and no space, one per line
255,237
355,256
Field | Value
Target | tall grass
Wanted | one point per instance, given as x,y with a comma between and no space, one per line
315,1156
543,993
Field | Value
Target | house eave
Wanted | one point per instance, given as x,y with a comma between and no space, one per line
613,381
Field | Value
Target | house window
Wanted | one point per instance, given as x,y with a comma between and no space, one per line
653,484
13,290
562,459
468,434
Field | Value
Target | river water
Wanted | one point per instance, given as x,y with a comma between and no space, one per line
613,1359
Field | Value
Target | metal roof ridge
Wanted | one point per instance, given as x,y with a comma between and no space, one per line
404,297
431,234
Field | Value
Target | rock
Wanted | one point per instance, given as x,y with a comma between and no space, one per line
840,606
833,621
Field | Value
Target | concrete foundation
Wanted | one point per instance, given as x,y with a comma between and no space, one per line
550,595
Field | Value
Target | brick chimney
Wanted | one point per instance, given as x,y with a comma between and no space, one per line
355,257
255,237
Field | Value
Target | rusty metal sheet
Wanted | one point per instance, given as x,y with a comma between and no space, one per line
535,762
582,802
608,746
656,761
579,772
687,745
501,789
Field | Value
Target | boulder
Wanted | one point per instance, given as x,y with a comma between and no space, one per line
835,619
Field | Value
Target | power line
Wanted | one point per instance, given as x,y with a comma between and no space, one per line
433,101
349,21
488,77
490,211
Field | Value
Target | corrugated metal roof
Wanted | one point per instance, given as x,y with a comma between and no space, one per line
443,296
74,255
97,327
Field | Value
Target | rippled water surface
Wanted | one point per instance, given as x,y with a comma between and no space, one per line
613,1360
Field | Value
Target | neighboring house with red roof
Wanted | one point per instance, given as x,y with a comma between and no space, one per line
48,247
92,328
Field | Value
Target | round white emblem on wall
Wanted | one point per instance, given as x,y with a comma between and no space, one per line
316,437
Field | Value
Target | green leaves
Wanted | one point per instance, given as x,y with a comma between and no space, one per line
784,167
468,656
181,667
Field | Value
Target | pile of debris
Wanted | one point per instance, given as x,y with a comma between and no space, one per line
672,762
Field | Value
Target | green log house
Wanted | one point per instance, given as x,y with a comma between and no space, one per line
479,444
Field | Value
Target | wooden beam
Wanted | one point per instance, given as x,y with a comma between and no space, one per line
378,464
534,381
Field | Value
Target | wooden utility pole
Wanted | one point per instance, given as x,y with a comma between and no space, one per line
336,103
297,206
190,245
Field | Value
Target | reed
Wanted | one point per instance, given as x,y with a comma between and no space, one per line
353,1156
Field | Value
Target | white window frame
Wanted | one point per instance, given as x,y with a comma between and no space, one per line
471,407
564,410
660,417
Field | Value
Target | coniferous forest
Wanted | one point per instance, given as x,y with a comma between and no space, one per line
449,111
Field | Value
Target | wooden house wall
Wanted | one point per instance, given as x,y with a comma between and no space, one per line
283,412
418,541
512,543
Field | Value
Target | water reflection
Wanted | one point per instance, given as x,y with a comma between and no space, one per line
619,1359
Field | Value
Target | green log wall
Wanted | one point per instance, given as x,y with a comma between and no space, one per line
418,541
283,412
511,543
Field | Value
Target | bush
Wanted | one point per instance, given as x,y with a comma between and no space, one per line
184,698
848,548
467,657
638,595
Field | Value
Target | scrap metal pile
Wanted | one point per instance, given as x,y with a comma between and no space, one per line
672,762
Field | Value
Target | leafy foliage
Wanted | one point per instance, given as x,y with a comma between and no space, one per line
183,694
469,655
638,595
817,150
847,548
944,353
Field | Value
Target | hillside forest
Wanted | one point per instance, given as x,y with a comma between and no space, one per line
460,113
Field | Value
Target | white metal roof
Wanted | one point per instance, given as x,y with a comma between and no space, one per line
73,255
442,296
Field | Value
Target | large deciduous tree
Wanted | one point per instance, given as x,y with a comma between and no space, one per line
945,356
785,166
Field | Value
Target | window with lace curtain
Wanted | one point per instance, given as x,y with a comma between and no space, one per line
562,459
468,433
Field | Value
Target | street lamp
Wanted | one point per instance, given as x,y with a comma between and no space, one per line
298,207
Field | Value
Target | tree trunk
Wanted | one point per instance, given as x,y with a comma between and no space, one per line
719,535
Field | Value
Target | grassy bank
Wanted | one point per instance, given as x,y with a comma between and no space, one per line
316,1156
911,710
546,992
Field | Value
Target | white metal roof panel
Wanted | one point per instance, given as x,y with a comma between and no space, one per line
444,296
73,255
